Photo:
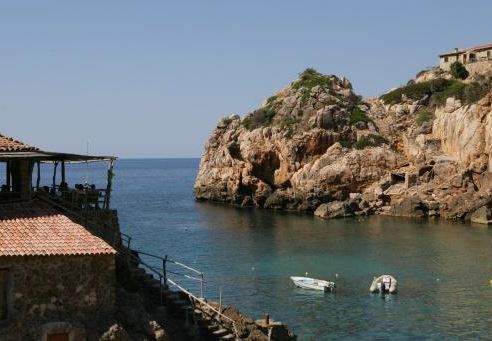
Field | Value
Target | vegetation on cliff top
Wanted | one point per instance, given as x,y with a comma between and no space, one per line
310,78
437,91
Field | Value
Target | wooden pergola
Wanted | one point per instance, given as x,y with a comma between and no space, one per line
55,158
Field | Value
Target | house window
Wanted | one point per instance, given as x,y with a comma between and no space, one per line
489,54
446,59
3,294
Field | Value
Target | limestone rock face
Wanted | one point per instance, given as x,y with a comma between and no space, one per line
261,158
315,146
465,132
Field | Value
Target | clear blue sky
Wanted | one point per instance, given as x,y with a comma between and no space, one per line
151,78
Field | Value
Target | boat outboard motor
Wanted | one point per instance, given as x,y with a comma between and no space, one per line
384,284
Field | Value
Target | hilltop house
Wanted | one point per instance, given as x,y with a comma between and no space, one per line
57,267
466,56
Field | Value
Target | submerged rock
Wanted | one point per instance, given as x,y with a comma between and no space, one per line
482,216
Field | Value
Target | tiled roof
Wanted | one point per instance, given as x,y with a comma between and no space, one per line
8,144
474,48
35,229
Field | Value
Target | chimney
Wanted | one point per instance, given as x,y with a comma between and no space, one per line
456,49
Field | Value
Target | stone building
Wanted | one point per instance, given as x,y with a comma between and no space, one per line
57,267
55,276
469,55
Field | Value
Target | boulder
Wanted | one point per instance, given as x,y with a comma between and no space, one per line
408,207
334,209
482,216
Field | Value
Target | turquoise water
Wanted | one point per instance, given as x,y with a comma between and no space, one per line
443,268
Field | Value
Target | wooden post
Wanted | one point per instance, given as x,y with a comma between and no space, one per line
55,166
107,198
63,172
38,179
7,176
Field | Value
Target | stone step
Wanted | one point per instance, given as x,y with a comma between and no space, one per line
228,337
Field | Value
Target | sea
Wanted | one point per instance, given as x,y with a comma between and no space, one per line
246,255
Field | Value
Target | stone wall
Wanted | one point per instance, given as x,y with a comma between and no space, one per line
102,223
57,294
474,67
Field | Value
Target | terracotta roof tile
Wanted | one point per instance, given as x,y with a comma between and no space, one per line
8,144
35,229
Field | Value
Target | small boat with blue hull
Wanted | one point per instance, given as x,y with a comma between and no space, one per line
313,283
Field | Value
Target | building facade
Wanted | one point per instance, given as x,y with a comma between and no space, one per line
57,276
465,56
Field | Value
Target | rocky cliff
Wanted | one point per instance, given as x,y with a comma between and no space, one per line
315,146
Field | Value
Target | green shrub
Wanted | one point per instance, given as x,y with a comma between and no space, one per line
273,103
423,116
371,140
259,118
455,89
466,93
358,115
458,70
415,91
310,78
475,91
439,90
271,100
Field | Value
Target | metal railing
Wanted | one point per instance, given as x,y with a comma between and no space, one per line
76,199
202,301
164,280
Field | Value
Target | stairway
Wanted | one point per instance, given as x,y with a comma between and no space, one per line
178,303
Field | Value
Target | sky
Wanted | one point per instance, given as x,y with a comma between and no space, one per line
139,79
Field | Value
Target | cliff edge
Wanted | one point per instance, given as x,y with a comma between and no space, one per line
424,149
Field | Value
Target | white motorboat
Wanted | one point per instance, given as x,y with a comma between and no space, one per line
313,283
384,284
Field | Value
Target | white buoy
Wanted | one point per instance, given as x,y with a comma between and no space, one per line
336,275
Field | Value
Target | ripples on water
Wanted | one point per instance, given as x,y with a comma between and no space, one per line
443,268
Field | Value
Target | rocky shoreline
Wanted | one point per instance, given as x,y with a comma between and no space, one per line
421,150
